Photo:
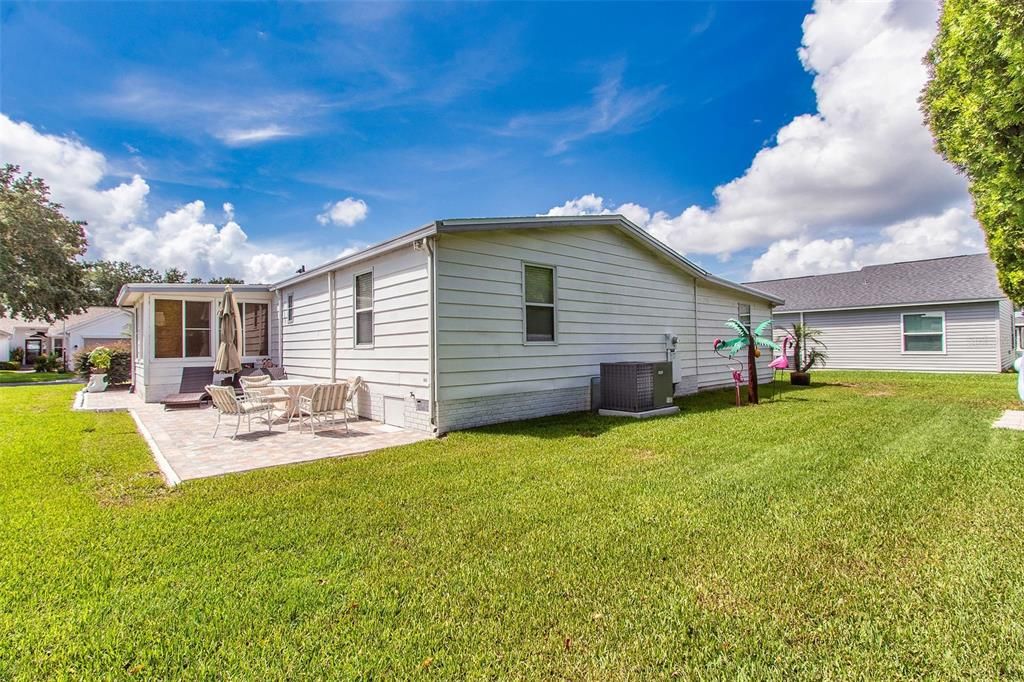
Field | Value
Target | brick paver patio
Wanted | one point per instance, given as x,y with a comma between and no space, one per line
184,448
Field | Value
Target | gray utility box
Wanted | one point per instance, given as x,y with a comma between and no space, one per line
636,386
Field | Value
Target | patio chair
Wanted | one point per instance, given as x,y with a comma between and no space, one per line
259,385
227,403
192,389
354,385
327,400
275,373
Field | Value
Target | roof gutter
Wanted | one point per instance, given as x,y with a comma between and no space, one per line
367,253
917,304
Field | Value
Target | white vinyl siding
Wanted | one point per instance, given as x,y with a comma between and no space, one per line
716,305
1010,340
615,301
398,363
872,338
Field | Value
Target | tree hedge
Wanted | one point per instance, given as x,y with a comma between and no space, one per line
974,104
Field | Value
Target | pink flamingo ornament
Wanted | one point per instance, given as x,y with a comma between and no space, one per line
780,364
737,379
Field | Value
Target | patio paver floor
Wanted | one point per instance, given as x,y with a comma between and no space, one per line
184,438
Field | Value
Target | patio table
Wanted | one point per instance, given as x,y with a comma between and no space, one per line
295,389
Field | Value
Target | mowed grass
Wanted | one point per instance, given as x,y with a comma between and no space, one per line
12,377
871,526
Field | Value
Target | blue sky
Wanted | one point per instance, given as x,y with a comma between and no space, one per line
412,112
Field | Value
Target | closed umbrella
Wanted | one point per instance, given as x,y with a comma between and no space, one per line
229,360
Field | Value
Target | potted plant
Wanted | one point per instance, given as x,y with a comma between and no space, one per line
807,353
99,360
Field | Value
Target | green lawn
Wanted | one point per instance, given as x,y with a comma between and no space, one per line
10,377
870,527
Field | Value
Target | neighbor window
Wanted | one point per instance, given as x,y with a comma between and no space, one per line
255,329
743,312
1020,338
364,309
539,303
181,329
924,332
291,307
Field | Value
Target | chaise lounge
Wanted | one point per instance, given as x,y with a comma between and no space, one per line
192,390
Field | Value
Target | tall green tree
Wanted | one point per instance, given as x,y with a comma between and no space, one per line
974,105
105,278
175,276
40,272
226,280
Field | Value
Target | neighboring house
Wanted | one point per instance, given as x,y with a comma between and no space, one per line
937,315
96,326
1018,330
465,322
5,344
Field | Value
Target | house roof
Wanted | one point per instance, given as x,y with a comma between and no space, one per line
90,315
93,314
130,292
453,225
936,280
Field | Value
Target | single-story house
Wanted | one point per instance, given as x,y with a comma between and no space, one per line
466,322
96,326
935,315
1018,330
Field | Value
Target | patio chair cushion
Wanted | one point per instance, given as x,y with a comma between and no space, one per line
225,400
259,385
192,389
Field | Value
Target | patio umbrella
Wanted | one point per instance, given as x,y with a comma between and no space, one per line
229,360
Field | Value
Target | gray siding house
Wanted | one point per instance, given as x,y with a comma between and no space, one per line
937,315
465,322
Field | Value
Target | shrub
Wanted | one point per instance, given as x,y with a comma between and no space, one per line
119,370
100,357
18,355
48,362
8,365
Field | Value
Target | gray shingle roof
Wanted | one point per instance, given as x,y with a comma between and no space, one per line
959,278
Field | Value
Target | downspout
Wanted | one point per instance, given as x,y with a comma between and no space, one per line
280,329
696,340
135,343
430,245
334,326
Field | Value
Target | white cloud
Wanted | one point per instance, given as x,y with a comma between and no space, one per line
849,182
119,227
952,232
591,204
346,212
613,108
234,116
239,137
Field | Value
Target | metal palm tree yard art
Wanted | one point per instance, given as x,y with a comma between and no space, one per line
753,342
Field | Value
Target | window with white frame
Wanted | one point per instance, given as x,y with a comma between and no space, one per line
539,303
364,309
1020,337
181,329
291,307
924,332
743,312
255,329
